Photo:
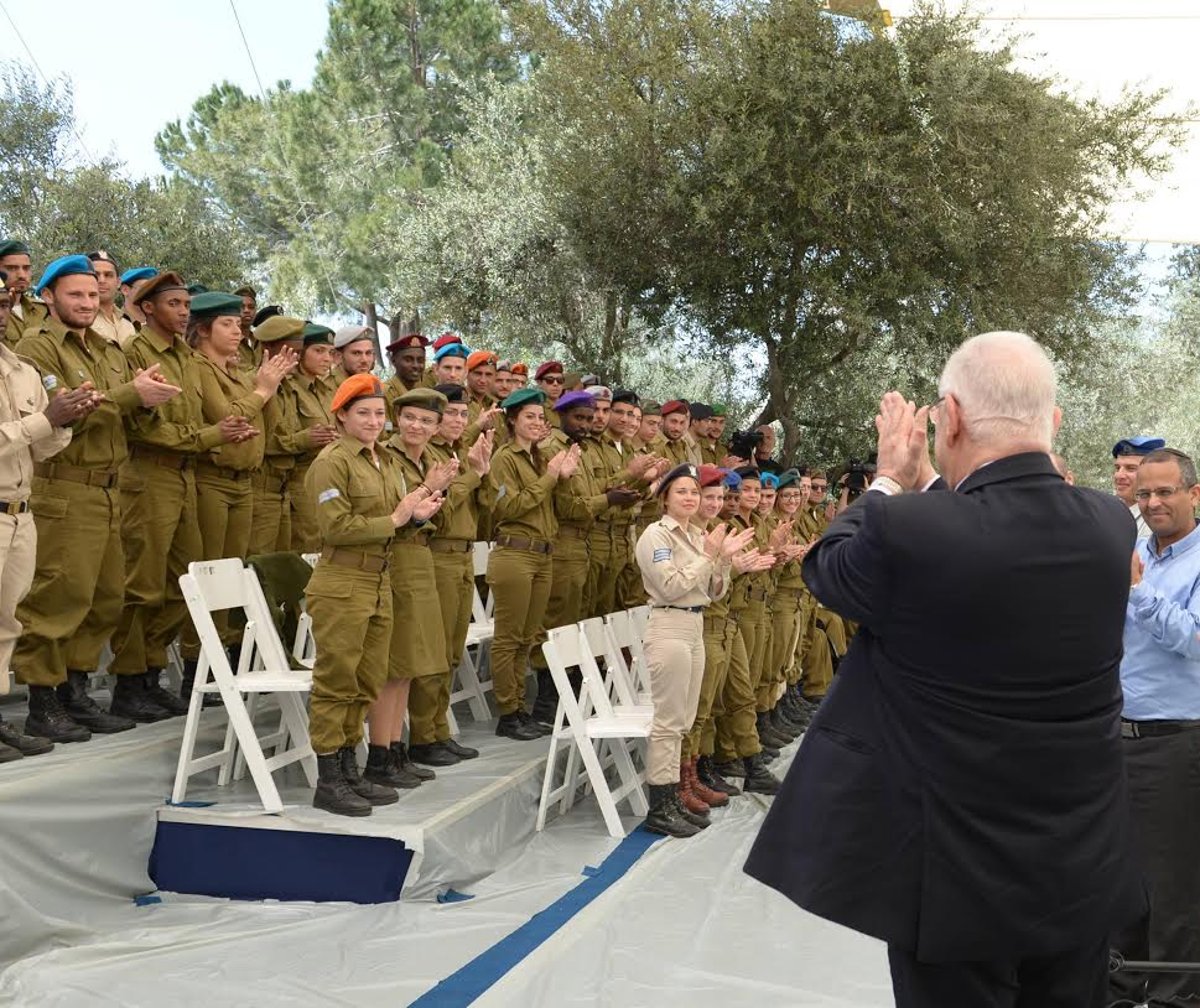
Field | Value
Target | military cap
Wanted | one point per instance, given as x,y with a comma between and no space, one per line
359,386
548,367
711,475
568,400
445,340
316,334
685,469
263,314
588,380
719,409
455,394
574,380
413,341
138,273
69,265
422,398
748,472
246,291
1143,444
674,406
601,392
626,396
213,304
196,288
477,358
519,368
279,327
733,482
100,255
504,364
651,408
350,334
788,477
700,411
158,284
523,397
453,350
13,246
817,474
769,481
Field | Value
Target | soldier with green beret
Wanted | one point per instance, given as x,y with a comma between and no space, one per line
224,493
310,398
158,500
78,586
417,654
28,311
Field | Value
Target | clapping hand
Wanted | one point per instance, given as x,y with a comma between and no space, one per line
152,386
751,561
426,509
273,370
479,458
737,542
439,475
236,429
903,440
1136,567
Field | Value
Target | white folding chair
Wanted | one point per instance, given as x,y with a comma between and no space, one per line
581,725
468,684
217,585
622,689
632,678
640,618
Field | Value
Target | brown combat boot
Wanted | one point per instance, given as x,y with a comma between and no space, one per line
710,797
688,797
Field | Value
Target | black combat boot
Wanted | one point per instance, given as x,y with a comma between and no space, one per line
383,769
730,768
401,760
376,794
541,729
432,754
781,726
459,750
758,778
188,682
15,744
707,772
333,794
173,705
665,815
767,735
513,726
82,709
130,700
545,707
48,720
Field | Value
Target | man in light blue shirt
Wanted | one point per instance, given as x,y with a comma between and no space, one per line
1160,679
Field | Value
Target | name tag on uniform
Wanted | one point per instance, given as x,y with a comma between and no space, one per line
662,555
327,495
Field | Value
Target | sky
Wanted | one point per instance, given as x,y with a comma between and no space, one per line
137,65
140,64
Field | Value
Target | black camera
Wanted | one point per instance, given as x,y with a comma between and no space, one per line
858,476
744,444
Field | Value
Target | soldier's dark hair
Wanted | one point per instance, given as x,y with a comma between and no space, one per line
1187,468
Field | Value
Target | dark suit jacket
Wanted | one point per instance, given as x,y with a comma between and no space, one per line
960,792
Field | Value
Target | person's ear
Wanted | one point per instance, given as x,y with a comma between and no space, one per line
952,419
1056,422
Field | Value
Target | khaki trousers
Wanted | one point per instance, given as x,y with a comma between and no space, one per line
568,579
270,513
78,583
306,537
674,646
351,613
520,581
455,577
785,618
224,512
737,733
601,589
18,558
818,660
161,537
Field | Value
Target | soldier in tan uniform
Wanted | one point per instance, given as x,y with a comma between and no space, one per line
33,427
110,322
158,502
130,280
28,312
78,586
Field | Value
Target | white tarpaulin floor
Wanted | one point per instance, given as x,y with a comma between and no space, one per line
681,926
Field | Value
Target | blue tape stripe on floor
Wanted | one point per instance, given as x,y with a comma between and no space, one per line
473,979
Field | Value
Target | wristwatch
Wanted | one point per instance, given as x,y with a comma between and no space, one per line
887,485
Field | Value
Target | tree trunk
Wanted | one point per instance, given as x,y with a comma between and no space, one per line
371,321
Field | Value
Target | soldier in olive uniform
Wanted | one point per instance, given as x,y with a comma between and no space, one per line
407,355
28,312
676,418
353,353
519,569
310,400
550,379
78,586
130,280
158,503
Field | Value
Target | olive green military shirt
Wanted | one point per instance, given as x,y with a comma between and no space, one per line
231,393
459,514
355,496
28,315
310,402
680,452
66,358
523,503
178,424
579,499
412,475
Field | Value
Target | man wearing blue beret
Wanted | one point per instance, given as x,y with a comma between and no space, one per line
130,280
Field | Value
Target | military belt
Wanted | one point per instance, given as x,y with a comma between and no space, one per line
757,595
572,531
530,545
788,590
14,507
422,540
681,608
103,478
450,545
166,459
1150,729
220,471
369,562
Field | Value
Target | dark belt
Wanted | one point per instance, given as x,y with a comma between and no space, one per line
757,595
13,507
164,458
450,545
531,545
354,558
220,471
103,478
572,531
421,540
681,608
788,591
1149,729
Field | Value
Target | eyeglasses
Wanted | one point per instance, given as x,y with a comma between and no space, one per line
420,421
790,496
1162,493
552,379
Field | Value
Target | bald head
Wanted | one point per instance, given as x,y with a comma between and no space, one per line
1005,388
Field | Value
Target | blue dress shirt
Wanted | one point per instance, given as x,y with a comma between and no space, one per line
1160,673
